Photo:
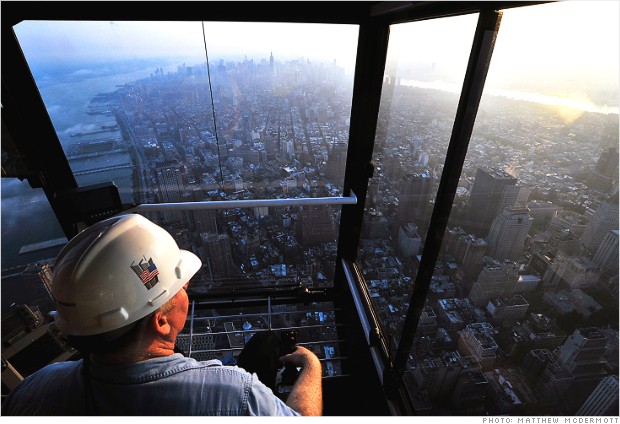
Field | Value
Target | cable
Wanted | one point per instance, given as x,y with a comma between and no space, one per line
219,159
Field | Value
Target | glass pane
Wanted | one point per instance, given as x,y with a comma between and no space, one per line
522,313
241,108
425,67
31,239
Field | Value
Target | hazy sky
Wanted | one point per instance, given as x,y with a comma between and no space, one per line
568,48
127,40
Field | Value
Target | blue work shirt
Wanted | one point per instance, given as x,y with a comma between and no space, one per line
169,385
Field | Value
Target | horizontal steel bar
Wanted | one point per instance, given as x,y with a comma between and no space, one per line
258,330
252,203
260,314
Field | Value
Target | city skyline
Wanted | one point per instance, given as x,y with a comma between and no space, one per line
549,69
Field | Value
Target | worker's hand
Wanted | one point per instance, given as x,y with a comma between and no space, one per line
300,357
306,396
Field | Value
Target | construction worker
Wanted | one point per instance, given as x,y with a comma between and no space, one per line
120,291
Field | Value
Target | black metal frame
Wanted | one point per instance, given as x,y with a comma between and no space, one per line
26,119
475,76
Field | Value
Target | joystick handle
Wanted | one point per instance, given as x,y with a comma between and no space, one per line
288,341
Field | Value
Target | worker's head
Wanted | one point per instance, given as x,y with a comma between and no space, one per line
116,272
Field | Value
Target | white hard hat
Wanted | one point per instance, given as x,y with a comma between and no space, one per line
115,272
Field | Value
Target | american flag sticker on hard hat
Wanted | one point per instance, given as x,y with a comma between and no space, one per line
146,271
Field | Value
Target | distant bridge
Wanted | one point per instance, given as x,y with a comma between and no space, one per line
95,154
103,169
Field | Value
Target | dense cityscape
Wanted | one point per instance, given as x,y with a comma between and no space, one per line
522,313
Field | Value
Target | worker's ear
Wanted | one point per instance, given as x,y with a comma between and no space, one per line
160,323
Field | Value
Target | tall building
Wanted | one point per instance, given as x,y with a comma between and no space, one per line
317,225
216,255
451,239
564,242
543,212
205,220
470,391
170,186
376,225
574,271
488,199
272,67
408,240
437,376
605,173
607,163
565,229
247,131
582,352
336,161
603,400
497,279
508,392
573,300
537,332
470,252
508,233
606,256
507,310
477,340
604,220
515,195
578,369
170,183
414,198
534,364
392,161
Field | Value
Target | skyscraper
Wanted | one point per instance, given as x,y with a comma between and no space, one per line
169,181
603,400
497,278
336,162
217,256
576,370
574,271
408,240
582,356
317,225
271,64
604,220
583,351
205,220
170,185
414,198
606,255
508,233
247,134
488,199
469,254
605,173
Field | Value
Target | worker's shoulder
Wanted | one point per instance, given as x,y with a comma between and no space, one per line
215,366
54,378
56,369
185,363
